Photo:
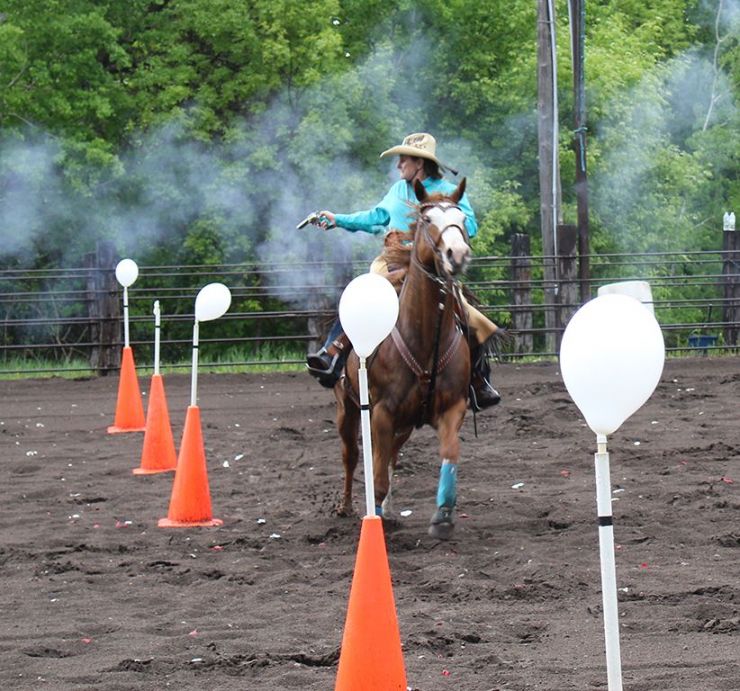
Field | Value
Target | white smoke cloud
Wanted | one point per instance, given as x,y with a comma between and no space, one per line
29,181
662,114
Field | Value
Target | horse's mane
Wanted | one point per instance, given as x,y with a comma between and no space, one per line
397,249
398,244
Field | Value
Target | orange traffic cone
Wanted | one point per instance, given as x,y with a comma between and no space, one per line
129,410
190,504
371,657
158,454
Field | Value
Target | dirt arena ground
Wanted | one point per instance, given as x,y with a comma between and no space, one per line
96,596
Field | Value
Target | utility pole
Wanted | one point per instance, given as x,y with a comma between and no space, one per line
578,43
549,169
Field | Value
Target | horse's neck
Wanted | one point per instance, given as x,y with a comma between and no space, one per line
419,312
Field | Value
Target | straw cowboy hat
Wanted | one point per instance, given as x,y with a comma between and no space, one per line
419,144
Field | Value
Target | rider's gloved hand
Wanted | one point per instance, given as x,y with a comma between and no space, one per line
326,220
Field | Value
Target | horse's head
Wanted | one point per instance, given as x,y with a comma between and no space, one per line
441,238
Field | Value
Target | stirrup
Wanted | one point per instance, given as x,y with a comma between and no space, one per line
320,362
490,397
326,370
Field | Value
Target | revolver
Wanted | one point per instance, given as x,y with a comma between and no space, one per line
313,218
316,218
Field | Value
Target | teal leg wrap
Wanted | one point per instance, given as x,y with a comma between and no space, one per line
379,510
447,490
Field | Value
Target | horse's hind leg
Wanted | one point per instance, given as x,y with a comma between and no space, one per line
383,445
386,507
348,426
442,524
398,441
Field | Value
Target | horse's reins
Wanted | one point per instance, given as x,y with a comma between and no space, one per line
444,288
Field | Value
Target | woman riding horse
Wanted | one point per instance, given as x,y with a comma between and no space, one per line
420,374
417,161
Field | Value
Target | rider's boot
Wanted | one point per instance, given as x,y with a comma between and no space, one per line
482,393
327,363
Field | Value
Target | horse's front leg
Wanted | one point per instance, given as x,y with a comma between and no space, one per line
383,436
348,425
442,524
398,441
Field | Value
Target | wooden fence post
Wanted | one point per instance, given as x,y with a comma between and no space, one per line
104,309
730,280
568,293
521,276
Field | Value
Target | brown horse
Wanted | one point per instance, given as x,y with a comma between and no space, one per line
420,373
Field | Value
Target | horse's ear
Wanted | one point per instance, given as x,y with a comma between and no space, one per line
421,191
458,193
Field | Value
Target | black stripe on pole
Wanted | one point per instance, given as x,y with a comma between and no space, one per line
365,406
605,521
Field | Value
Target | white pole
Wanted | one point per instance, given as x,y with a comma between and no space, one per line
367,445
555,137
125,317
608,566
156,336
194,377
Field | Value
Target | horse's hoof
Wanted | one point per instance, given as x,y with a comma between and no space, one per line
442,525
344,510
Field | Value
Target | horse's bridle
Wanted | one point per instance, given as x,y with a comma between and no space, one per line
423,225
447,285
445,206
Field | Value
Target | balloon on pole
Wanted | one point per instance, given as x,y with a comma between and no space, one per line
371,655
212,302
611,358
368,310
129,409
158,454
126,274
640,290
157,334
190,503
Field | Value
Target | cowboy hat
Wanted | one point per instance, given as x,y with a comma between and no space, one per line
419,144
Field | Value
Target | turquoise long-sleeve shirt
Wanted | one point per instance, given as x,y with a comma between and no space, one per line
395,210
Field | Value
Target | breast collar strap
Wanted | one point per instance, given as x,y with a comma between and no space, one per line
425,375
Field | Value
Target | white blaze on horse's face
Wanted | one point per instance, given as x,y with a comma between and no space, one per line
453,247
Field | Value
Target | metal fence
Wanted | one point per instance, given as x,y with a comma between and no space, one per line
58,317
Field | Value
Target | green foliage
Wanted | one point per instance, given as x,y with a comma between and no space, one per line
199,131
67,58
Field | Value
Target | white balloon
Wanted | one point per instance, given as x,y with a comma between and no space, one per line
368,310
611,358
127,272
640,290
212,302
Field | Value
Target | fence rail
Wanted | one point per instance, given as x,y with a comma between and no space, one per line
60,316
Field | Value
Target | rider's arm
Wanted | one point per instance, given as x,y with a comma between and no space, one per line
471,225
376,220
373,221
